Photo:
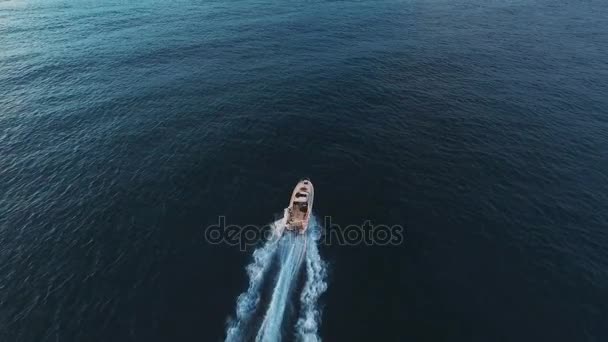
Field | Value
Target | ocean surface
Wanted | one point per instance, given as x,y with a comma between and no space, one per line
481,127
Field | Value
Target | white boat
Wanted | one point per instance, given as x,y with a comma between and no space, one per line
297,214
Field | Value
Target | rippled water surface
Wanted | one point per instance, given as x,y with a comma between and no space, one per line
127,127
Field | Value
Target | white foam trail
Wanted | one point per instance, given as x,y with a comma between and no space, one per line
248,300
307,325
292,249
291,246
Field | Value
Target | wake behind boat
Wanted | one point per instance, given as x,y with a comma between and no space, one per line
297,215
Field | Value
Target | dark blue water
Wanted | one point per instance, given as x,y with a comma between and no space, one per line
126,127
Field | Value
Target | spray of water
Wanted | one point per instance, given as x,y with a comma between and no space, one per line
292,250
248,300
316,275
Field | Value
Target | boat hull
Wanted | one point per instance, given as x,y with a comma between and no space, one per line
298,213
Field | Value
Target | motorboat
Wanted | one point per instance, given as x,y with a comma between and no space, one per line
297,215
